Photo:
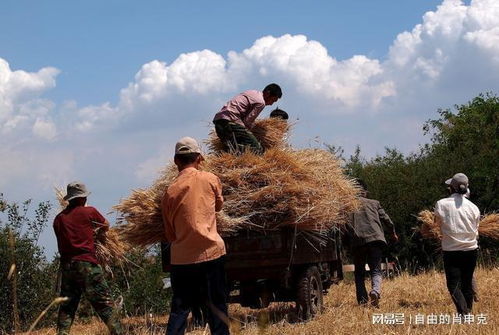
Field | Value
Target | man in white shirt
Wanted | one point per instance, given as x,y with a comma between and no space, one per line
458,219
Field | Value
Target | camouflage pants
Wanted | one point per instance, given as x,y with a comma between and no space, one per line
236,137
86,278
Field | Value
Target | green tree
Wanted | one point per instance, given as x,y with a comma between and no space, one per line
141,283
35,276
468,141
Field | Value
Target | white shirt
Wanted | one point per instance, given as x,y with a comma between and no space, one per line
459,222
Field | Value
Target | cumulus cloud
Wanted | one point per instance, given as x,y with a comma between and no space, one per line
20,104
451,40
294,59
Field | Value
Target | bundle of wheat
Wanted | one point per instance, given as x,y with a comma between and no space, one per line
140,220
306,188
429,228
109,247
488,226
271,133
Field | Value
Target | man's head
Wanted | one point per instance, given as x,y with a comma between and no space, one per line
271,93
187,153
76,193
279,114
458,183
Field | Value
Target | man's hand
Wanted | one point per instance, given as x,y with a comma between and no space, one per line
395,237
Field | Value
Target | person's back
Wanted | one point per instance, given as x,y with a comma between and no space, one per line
74,229
367,239
197,271
368,221
459,225
190,208
243,108
234,121
458,220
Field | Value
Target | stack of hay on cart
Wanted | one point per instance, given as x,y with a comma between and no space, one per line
305,189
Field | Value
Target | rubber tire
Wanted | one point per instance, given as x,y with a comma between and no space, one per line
309,297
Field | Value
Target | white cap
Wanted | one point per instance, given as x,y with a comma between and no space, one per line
459,182
187,145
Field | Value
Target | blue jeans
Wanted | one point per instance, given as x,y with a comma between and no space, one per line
370,253
202,285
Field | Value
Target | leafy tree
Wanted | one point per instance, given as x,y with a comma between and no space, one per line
468,141
140,284
35,276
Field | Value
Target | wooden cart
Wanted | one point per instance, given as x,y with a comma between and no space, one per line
282,265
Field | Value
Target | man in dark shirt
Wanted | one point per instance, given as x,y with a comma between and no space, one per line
75,228
367,239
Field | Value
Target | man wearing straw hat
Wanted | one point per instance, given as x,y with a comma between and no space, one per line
458,220
81,273
189,208
234,121
367,239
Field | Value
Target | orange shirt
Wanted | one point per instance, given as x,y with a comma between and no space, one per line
188,208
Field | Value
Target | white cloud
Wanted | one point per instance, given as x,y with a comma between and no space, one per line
20,102
44,129
300,62
91,115
451,40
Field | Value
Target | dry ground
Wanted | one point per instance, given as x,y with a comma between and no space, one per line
424,295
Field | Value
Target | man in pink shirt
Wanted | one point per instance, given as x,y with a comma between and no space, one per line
189,208
236,118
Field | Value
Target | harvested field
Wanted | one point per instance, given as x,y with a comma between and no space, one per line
406,296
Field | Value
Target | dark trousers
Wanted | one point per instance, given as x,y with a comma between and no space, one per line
236,137
459,267
194,284
86,278
370,253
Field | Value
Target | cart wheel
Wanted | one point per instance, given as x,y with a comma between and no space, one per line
309,299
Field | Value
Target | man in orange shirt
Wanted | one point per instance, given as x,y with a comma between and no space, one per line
197,250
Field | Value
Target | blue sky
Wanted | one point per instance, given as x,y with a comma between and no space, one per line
99,91
100,45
